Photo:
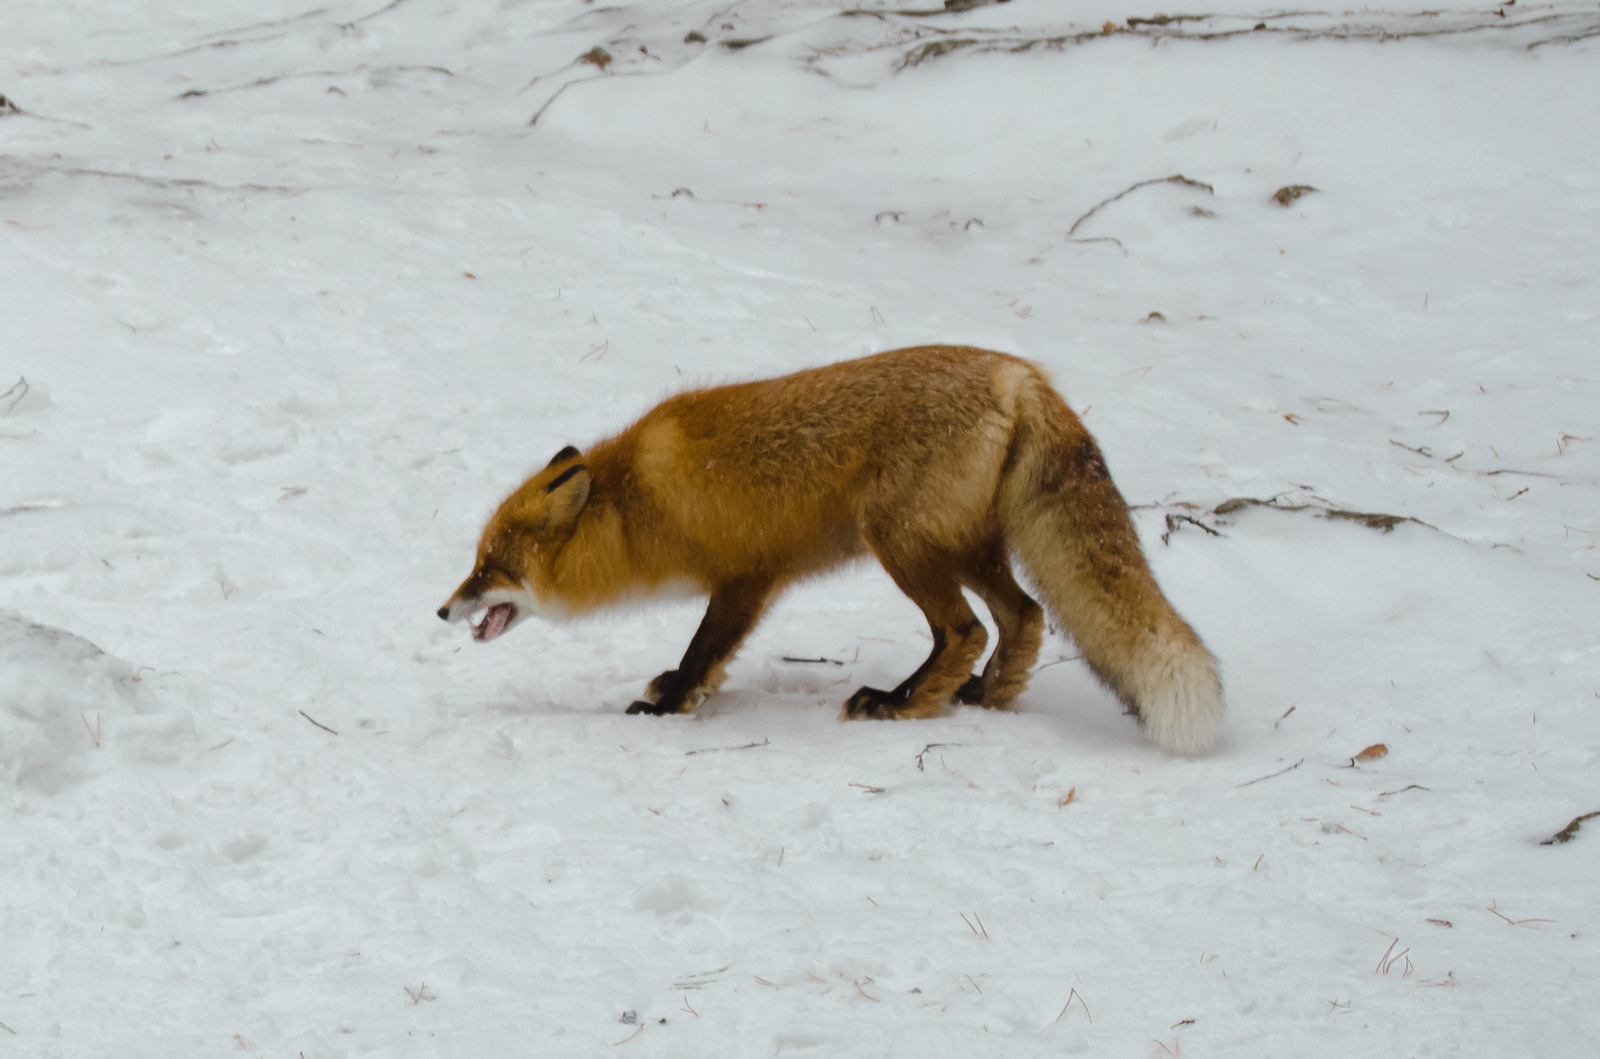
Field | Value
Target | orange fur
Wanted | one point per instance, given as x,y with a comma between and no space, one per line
944,462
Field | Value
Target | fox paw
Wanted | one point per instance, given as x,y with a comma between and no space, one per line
664,698
870,704
658,687
971,692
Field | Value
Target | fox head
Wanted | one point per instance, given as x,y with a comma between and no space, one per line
513,576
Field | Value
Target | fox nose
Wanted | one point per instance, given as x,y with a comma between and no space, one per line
444,612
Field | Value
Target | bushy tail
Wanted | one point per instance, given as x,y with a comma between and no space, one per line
1070,528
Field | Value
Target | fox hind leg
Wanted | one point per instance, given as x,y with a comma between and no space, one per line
958,641
1021,622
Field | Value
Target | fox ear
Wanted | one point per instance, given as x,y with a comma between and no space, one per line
566,495
565,454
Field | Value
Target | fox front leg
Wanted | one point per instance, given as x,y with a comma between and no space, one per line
654,689
732,613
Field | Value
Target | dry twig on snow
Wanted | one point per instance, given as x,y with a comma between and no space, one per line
19,388
1568,833
927,748
318,723
1280,772
724,749
1387,962
1176,178
1071,996
1494,908
1173,522
1372,520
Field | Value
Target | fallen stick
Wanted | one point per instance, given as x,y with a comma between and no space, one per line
20,387
1402,790
1071,996
1568,833
927,748
719,749
1280,772
1372,520
1173,521
1176,178
318,723
578,81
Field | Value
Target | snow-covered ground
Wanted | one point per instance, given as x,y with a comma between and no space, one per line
299,294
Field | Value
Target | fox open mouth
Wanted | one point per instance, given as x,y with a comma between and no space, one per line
495,621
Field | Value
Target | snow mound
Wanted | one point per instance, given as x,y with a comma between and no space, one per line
64,703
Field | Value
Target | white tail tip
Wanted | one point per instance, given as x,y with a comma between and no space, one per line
1180,701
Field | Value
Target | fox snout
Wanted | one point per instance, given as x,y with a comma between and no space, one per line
500,601
498,615
456,609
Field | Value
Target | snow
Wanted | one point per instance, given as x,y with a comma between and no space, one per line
287,342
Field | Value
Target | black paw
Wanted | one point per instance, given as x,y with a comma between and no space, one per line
971,693
870,704
655,709
658,687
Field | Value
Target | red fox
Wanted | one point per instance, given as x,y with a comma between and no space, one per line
943,462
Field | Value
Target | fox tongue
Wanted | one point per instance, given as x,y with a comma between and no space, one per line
494,623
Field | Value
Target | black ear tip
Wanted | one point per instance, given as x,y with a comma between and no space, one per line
444,612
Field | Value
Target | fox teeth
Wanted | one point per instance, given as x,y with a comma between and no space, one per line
495,620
